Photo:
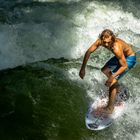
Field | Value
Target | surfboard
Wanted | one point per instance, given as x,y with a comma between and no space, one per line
96,120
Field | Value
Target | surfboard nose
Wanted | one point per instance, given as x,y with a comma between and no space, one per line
93,125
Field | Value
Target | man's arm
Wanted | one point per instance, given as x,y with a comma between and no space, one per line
93,47
122,61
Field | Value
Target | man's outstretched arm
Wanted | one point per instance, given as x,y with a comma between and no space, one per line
93,47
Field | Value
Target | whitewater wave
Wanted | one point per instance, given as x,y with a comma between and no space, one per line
39,32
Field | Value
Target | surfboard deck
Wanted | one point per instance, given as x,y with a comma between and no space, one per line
96,120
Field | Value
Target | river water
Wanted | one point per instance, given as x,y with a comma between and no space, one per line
42,44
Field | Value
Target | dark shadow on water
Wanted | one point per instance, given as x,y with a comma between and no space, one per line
40,104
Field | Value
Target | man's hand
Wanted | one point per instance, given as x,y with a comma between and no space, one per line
92,48
82,73
109,81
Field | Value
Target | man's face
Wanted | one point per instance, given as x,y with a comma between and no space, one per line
107,41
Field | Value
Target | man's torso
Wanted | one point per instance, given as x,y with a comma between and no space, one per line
123,46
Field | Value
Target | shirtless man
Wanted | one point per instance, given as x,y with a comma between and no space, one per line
116,67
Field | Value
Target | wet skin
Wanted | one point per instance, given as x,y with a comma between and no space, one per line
120,49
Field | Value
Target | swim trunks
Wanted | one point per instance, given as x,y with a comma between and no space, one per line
114,65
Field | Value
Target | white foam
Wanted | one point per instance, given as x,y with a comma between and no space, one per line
65,1
44,33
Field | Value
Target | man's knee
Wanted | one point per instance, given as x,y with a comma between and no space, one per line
102,69
113,84
105,70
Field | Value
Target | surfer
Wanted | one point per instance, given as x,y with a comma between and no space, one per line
123,60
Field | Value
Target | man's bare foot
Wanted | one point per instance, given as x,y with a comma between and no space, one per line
107,110
97,112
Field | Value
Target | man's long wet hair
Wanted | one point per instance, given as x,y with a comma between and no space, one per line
109,32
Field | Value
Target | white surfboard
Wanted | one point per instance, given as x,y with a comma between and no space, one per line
95,120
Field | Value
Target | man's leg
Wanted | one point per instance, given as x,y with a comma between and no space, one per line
112,96
112,91
111,64
106,71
